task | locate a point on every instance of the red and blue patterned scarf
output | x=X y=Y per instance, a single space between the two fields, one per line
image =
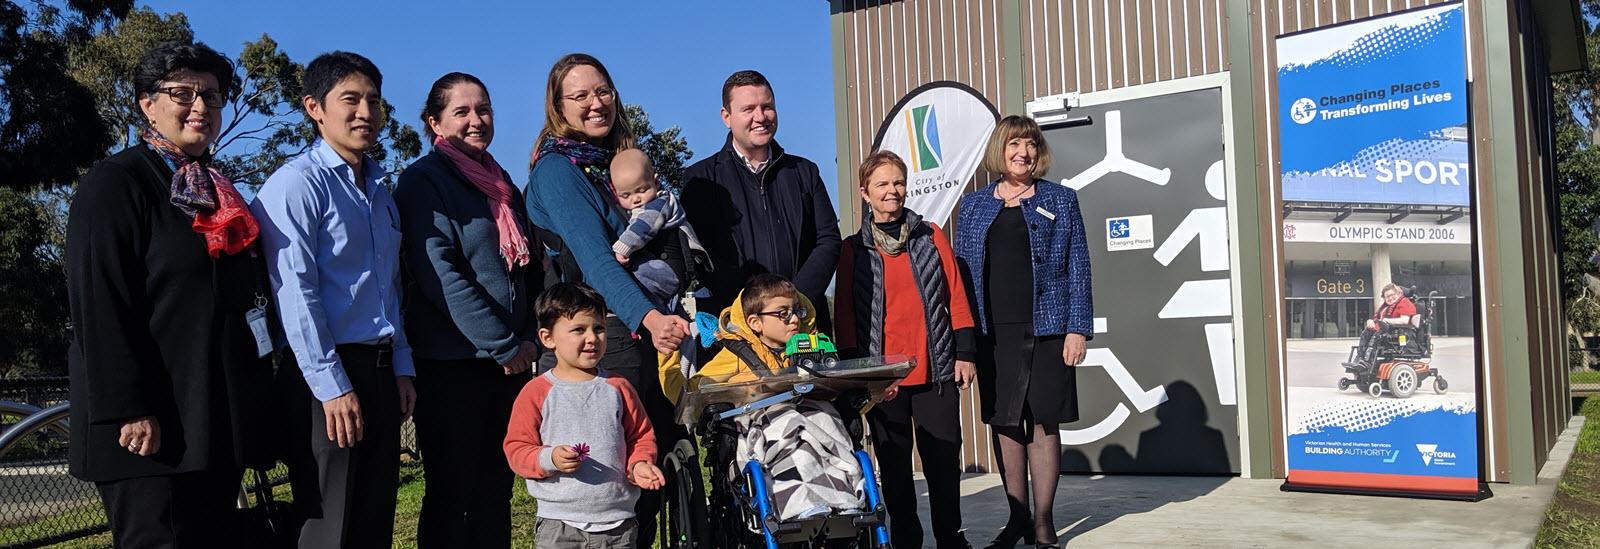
x=205 y=195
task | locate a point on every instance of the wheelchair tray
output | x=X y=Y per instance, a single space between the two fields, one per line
x=875 y=374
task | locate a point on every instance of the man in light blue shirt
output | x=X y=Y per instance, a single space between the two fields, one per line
x=331 y=233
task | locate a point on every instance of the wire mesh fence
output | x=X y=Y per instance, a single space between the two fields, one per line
x=40 y=503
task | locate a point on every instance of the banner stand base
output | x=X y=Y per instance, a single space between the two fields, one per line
x=1482 y=494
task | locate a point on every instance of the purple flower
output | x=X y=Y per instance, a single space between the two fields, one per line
x=582 y=449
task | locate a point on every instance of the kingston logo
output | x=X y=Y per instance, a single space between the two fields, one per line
x=922 y=129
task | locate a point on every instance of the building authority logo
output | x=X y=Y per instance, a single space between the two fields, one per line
x=1303 y=111
x=940 y=130
x=922 y=128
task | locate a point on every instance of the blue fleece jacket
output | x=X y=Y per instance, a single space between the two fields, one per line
x=561 y=200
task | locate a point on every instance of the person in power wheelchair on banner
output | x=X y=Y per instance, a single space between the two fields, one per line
x=1396 y=350
x=785 y=468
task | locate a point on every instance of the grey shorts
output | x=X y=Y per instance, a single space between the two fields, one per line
x=555 y=534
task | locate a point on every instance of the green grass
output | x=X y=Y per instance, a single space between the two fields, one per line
x=1573 y=519
x=408 y=506
x=90 y=513
x=1586 y=376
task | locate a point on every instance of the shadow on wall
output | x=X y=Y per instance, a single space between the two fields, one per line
x=1180 y=443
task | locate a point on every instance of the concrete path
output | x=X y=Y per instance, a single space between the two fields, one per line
x=1138 y=511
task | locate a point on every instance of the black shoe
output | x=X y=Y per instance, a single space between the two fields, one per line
x=1010 y=535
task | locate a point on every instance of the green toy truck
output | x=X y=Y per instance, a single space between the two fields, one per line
x=811 y=352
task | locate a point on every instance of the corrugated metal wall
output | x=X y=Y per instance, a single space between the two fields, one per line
x=1094 y=45
x=891 y=48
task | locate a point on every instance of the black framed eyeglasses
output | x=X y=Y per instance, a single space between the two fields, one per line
x=785 y=314
x=186 y=96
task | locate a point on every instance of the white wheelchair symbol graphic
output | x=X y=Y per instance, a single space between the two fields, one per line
x=1142 y=399
x=1207 y=298
x=1118 y=228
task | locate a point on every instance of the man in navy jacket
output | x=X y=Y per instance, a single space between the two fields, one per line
x=757 y=209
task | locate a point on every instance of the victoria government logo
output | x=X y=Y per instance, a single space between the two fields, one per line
x=1303 y=111
x=922 y=127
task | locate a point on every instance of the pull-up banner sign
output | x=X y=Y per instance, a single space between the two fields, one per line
x=1375 y=111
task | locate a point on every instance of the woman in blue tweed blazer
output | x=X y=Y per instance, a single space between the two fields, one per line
x=1020 y=240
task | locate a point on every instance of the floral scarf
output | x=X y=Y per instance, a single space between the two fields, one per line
x=205 y=195
x=594 y=161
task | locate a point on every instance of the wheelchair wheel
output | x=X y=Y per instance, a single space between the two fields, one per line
x=683 y=522
x=1402 y=380
x=1440 y=385
x=1375 y=389
x=1344 y=383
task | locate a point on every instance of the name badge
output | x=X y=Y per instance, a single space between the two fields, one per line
x=257 y=319
x=1045 y=213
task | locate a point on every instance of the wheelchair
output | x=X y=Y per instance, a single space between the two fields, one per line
x=741 y=509
x=1401 y=358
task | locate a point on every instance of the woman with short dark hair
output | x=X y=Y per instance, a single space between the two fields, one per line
x=167 y=296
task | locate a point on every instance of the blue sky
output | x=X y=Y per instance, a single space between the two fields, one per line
x=668 y=56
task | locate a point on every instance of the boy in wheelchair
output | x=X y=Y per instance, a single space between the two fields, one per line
x=1394 y=322
x=804 y=444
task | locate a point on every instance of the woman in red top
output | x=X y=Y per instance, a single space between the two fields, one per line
x=899 y=293
x=1397 y=310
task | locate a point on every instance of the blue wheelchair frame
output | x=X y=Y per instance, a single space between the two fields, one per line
x=761 y=498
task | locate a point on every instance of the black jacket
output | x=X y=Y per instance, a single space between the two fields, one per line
x=159 y=330
x=779 y=221
x=460 y=301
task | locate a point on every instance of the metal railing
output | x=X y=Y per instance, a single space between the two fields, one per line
x=40 y=503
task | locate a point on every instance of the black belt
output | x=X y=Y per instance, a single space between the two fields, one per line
x=361 y=354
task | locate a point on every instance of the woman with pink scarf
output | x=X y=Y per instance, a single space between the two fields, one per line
x=470 y=282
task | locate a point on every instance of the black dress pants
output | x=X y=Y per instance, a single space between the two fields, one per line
x=172 y=511
x=346 y=496
x=932 y=412
x=462 y=410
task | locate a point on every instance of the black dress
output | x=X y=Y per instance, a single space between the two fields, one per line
x=1021 y=378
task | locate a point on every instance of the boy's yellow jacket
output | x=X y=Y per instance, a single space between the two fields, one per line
x=726 y=366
